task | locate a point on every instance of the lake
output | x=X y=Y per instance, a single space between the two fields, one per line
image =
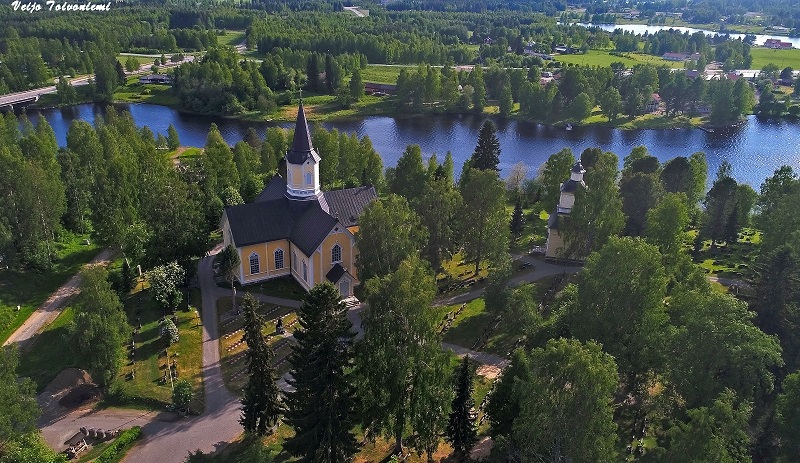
x=755 y=148
x=643 y=28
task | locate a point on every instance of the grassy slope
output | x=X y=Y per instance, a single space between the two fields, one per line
x=29 y=289
x=50 y=353
x=783 y=58
x=603 y=58
x=134 y=92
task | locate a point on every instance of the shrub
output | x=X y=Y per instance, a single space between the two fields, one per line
x=114 y=452
x=169 y=331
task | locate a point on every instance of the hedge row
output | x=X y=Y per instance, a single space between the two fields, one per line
x=114 y=452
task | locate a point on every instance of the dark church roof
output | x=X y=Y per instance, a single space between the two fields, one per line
x=336 y=273
x=347 y=205
x=301 y=148
x=552 y=221
x=578 y=167
x=570 y=186
x=305 y=222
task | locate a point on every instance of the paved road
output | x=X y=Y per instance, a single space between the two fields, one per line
x=355 y=10
x=52 y=307
x=20 y=97
x=219 y=424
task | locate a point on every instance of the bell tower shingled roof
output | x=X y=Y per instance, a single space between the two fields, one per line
x=301 y=148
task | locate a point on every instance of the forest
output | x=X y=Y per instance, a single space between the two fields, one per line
x=648 y=346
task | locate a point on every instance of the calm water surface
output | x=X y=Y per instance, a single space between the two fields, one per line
x=756 y=148
x=643 y=28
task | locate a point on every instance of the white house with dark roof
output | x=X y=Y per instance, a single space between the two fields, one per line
x=566 y=201
x=293 y=228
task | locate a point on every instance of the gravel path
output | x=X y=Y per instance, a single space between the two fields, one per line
x=49 y=311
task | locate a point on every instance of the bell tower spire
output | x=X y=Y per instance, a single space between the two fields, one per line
x=302 y=161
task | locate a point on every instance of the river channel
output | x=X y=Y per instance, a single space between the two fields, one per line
x=755 y=148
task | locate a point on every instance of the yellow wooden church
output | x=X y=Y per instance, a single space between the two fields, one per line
x=294 y=228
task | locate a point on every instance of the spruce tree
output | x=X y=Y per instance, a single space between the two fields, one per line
x=461 y=430
x=261 y=404
x=517 y=219
x=173 y=141
x=487 y=153
x=356 y=86
x=321 y=408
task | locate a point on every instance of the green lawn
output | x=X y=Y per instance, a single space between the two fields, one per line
x=29 y=288
x=140 y=59
x=324 y=107
x=147 y=386
x=602 y=58
x=534 y=233
x=783 y=58
x=469 y=324
x=134 y=92
x=383 y=74
x=733 y=260
x=286 y=288
x=50 y=352
x=231 y=38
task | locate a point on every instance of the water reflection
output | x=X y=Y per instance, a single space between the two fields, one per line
x=755 y=148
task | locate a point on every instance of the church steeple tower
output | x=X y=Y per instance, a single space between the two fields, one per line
x=302 y=161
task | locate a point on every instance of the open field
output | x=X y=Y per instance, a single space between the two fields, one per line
x=231 y=38
x=140 y=59
x=324 y=107
x=783 y=58
x=602 y=58
x=383 y=74
x=29 y=288
x=134 y=92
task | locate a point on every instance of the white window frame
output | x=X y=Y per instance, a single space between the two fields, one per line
x=255 y=263
x=334 y=260
x=278 y=252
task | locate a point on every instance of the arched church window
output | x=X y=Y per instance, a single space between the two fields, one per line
x=255 y=265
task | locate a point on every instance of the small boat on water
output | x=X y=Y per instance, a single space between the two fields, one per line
x=568 y=127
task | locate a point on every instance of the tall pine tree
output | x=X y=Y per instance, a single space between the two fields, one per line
x=321 y=408
x=487 y=152
x=517 y=219
x=461 y=430
x=261 y=405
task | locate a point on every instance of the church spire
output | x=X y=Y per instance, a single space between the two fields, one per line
x=302 y=161
x=302 y=136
